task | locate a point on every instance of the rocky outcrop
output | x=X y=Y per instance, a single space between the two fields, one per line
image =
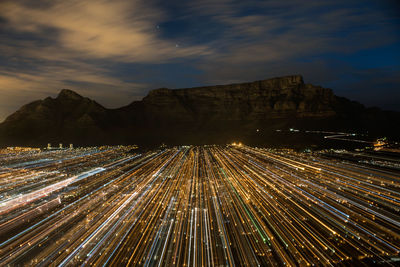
x=267 y=99
x=211 y=114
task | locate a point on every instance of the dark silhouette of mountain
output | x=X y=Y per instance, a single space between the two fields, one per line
x=250 y=112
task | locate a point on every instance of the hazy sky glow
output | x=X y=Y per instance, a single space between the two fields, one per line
x=116 y=51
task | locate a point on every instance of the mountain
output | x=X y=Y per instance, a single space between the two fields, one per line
x=68 y=116
x=251 y=112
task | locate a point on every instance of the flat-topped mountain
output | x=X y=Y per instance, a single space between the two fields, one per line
x=211 y=114
x=273 y=98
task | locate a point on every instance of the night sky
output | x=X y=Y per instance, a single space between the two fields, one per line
x=116 y=51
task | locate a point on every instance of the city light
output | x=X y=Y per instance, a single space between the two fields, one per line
x=195 y=206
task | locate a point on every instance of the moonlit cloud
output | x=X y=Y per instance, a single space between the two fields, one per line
x=120 y=30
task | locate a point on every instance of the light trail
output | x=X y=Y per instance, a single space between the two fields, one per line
x=196 y=206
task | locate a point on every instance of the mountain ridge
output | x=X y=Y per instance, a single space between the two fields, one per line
x=208 y=114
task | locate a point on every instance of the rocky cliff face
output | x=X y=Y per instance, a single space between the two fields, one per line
x=212 y=114
x=267 y=99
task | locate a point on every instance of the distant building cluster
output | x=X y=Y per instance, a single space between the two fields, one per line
x=20 y=149
x=60 y=146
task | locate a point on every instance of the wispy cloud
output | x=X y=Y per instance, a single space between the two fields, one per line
x=101 y=29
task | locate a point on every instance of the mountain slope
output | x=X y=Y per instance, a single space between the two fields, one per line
x=212 y=114
x=53 y=119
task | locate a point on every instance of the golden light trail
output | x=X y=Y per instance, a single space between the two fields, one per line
x=196 y=206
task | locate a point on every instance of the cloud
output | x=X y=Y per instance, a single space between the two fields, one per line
x=278 y=30
x=117 y=30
